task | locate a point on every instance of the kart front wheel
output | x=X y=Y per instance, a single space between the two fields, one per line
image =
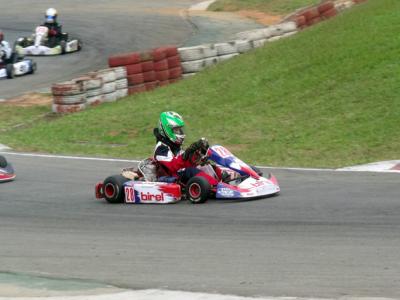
x=197 y=190
x=10 y=71
x=32 y=68
x=113 y=188
x=3 y=162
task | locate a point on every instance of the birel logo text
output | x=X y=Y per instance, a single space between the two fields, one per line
x=150 y=197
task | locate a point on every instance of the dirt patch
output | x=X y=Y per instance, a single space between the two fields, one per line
x=30 y=99
x=261 y=17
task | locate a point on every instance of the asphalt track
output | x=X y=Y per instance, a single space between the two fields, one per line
x=329 y=234
x=107 y=27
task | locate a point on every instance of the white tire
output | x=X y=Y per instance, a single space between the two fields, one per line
x=226 y=48
x=259 y=43
x=243 y=46
x=94 y=92
x=67 y=88
x=69 y=99
x=209 y=51
x=95 y=100
x=188 y=75
x=121 y=93
x=109 y=87
x=251 y=35
x=121 y=83
x=107 y=75
x=92 y=83
x=120 y=72
x=193 y=66
x=275 y=38
x=110 y=97
x=287 y=27
x=191 y=53
x=228 y=56
x=211 y=61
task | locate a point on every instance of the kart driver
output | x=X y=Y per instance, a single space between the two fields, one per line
x=55 y=29
x=178 y=164
x=5 y=49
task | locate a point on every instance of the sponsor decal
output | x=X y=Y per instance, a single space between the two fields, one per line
x=225 y=192
x=152 y=197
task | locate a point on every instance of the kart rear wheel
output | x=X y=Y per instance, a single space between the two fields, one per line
x=63 y=45
x=10 y=71
x=33 y=67
x=113 y=188
x=197 y=190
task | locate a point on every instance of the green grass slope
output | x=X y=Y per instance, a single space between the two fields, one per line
x=326 y=97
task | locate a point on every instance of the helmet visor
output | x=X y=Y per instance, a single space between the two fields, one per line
x=178 y=130
x=50 y=19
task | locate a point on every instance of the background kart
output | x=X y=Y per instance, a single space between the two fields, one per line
x=6 y=170
x=17 y=66
x=245 y=182
x=40 y=44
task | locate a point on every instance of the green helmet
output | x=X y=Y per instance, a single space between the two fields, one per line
x=171 y=126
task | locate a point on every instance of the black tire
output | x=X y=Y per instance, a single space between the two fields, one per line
x=63 y=45
x=3 y=162
x=257 y=170
x=33 y=68
x=197 y=190
x=10 y=71
x=79 y=45
x=113 y=188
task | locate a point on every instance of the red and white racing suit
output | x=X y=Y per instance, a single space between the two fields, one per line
x=170 y=157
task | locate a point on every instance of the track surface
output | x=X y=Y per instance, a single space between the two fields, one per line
x=105 y=27
x=328 y=234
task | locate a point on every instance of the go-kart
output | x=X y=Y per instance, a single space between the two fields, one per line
x=244 y=182
x=6 y=170
x=17 y=65
x=41 y=44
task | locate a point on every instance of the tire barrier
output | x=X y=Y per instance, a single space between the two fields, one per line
x=94 y=88
x=137 y=72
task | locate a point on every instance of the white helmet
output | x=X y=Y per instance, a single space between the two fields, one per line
x=51 y=15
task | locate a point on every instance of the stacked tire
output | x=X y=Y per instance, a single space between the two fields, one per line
x=121 y=82
x=315 y=14
x=68 y=97
x=132 y=62
x=167 y=64
x=93 y=88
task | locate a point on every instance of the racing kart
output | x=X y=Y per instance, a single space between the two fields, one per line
x=41 y=44
x=6 y=170
x=147 y=186
x=17 y=65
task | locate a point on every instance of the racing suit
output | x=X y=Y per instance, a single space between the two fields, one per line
x=5 y=52
x=55 y=33
x=172 y=160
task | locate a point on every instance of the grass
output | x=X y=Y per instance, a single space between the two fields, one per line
x=277 y=7
x=326 y=97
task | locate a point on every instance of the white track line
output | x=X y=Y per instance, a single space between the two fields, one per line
x=176 y=295
x=349 y=169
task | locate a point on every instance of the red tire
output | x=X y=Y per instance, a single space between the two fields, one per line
x=134 y=69
x=174 y=61
x=136 y=89
x=330 y=13
x=300 y=21
x=135 y=79
x=67 y=88
x=163 y=83
x=310 y=14
x=175 y=73
x=65 y=109
x=314 y=21
x=149 y=76
x=158 y=54
x=146 y=56
x=325 y=7
x=147 y=66
x=175 y=80
x=169 y=50
x=124 y=59
x=161 y=65
x=162 y=75
x=151 y=85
